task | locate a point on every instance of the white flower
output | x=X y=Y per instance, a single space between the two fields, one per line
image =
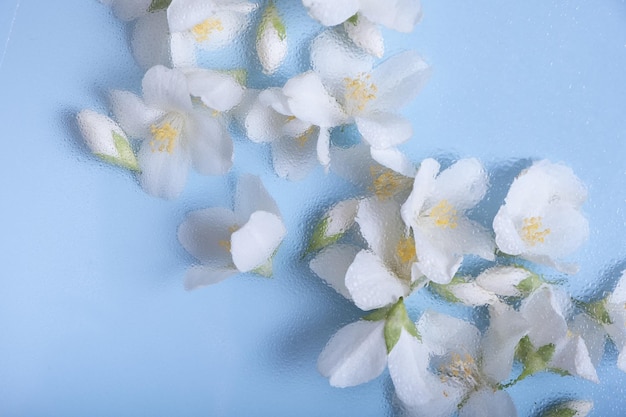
x=208 y=24
x=227 y=242
x=447 y=372
x=106 y=139
x=296 y=119
x=387 y=270
x=366 y=35
x=271 y=40
x=370 y=97
x=435 y=212
x=541 y=219
x=400 y=15
x=150 y=34
x=176 y=135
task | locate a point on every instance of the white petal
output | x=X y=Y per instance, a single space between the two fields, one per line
x=132 y=113
x=371 y=284
x=573 y=357
x=423 y=187
x=166 y=89
x=129 y=9
x=335 y=59
x=462 y=185
x=252 y=196
x=384 y=130
x=473 y=295
x=592 y=333
x=331 y=265
x=399 y=79
x=544 y=313
x=257 y=240
x=202 y=275
x=97 y=131
x=293 y=159
x=395 y=160
x=618 y=296
x=355 y=354
x=442 y=334
x=408 y=368
x=380 y=226
x=206 y=235
x=331 y=12
x=217 y=90
x=323 y=148
x=262 y=122
x=503 y=280
x=309 y=101
x=150 y=40
x=488 y=402
x=182 y=49
x=366 y=35
x=233 y=23
x=184 y=14
x=341 y=216
x=436 y=263
x=210 y=144
x=400 y=15
x=163 y=174
x=271 y=46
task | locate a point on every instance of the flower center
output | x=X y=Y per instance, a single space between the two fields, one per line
x=164 y=136
x=385 y=183
x=202 y=31
x=460 y=369
x=226 y=243
x=533 y=231
x=360 y=91
x=444 y=215
x=304 y=137
x=405 y=250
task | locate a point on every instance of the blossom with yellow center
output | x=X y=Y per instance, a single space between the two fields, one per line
x=405 y=250
x=444 y=215
x=532 y=232
x=163 y=137
x=360 y=90
x=202 y=31
x=385 y=182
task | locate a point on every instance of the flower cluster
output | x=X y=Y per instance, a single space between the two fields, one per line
x=414 y=230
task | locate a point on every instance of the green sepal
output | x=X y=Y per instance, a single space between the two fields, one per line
x=239 y=74
x=443 y=290
x=354 y=19
x=157 y=5
x=319 y=239
x=534 y=361
x=378 y=314
x=530 y=284
x=398 y=319
x=266 y=270
x=598 y=311
x=272 y=17
x=126 y=157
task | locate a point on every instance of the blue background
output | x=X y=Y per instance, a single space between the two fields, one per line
x=94 y=320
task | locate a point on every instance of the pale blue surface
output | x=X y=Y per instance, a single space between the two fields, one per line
x=94 y=320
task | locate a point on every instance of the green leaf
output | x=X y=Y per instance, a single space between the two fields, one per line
x=319 y=239
x=272 y=17
x=598 y=311
x=157 y=5
x=354 y=19
x=530 y=284
x=398 y=319
x=127 y=156
x=379 y=314
x=443 y=290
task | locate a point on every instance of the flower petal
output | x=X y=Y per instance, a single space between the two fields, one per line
x=331 y=12
x=210 y=144
x=184 y=14
x=309 y=101
x=462 y=185
x=395 y=160
x=371 y=284
x=252 y=196
x=206 y=235
x=217 y=90
x=163 y=174
x=355 y=354
x=366 y=35
x=488 y=402
x=202 y=275
x=166 y=89
x=400 y=15
x=150 y=40
x=331 y=265
x=293 y=159
x=257 y=240
x=573 y=357
x=384 y=130
x=133 y=114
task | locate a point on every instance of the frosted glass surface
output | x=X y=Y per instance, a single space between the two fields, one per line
x=93 y=314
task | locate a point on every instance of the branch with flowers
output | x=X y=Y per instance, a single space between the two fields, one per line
x=413 y=231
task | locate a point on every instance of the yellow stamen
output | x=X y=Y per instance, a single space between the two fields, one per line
x=385 y=183
x=532 y=232
x=405 y=250
x=444 y=215
x=304 y=138
x=163 y=137
x=225 y=244
x=360 y=90
x=203 y=30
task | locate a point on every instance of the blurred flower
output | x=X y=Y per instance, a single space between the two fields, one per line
x=435 y=213
x=227 y=242
x=176 y=134
x=106 y=139
x=271 y=40
x=541 y=219
x=208 y=24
